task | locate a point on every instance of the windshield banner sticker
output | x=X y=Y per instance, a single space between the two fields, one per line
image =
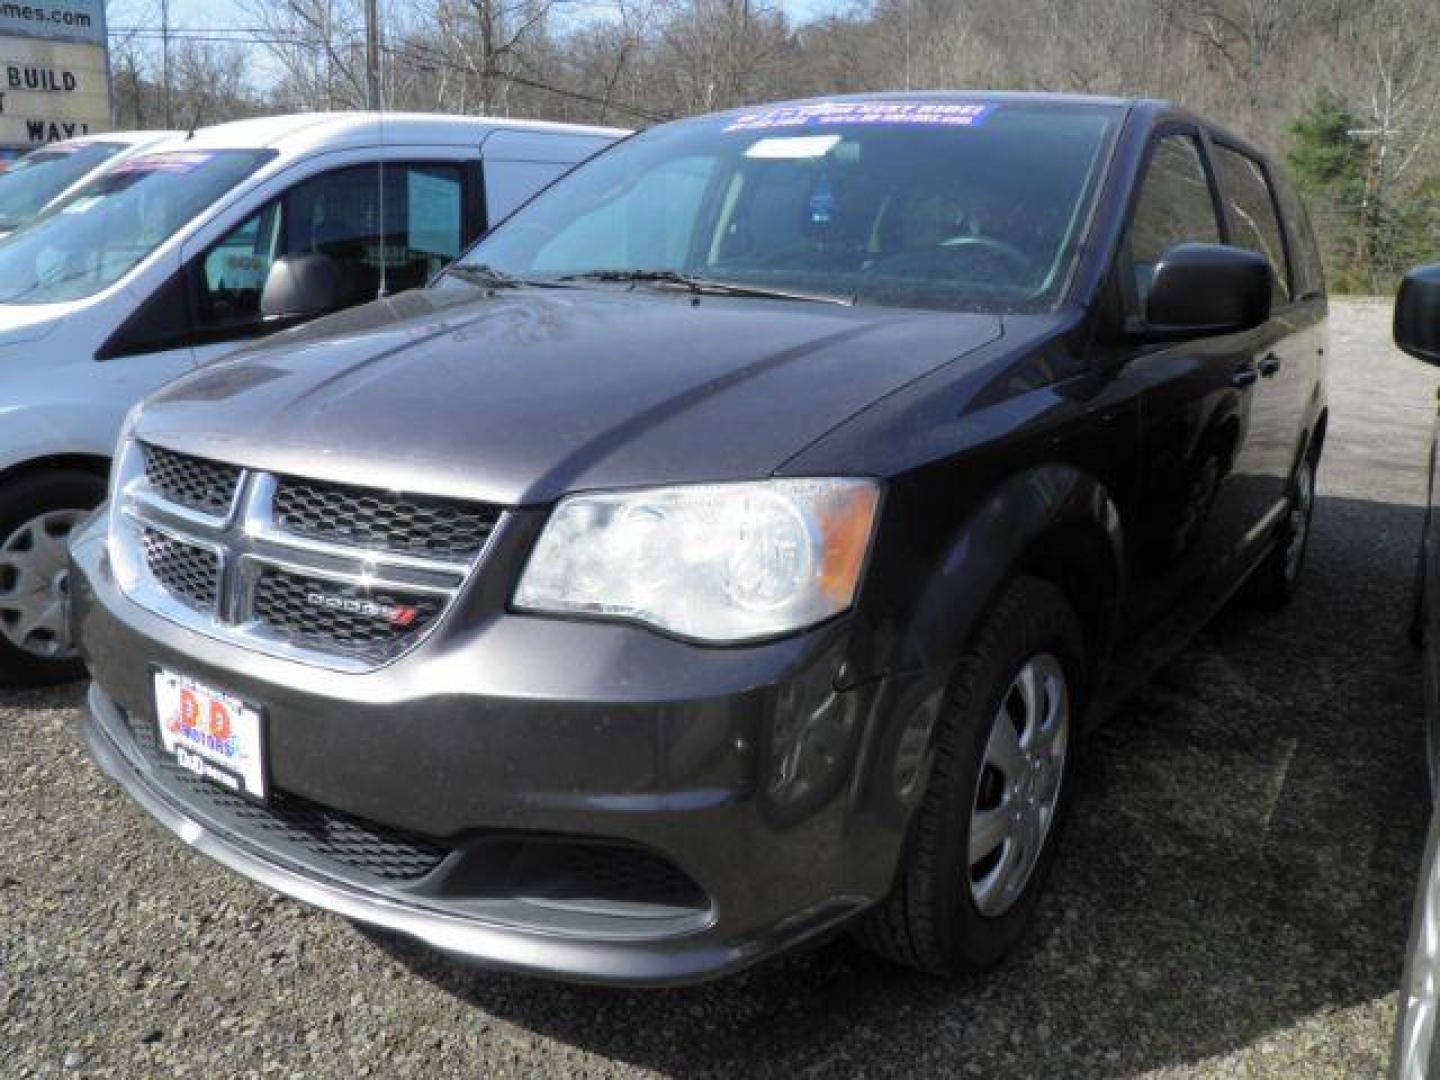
x=178 y=161
x=923 y=113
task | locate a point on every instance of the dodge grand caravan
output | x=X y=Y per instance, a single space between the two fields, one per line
x=166 y=260
x=732 y=546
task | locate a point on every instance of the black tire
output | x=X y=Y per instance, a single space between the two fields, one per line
x=1415 y=629
x=21 y=502
x=1274 y=583
x=931 y=920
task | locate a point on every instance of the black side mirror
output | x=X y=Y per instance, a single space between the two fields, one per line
x=1417 y=314
x=301 y=287
x=1200 y=289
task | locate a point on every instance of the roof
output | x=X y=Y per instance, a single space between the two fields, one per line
x=303 y=131
x=129 y=138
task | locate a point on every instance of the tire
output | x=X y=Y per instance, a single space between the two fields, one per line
x=941 y=917
x=1275 y=581
x=37 y=515
x=1415 y=629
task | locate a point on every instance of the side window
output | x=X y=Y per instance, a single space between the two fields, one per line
x=1250 y=207
x=1175 y=207
x=234 y=270
x=338 y=214
x=1304 y=251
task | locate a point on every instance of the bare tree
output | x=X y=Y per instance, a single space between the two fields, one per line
x=319 y=46
x=210 y=83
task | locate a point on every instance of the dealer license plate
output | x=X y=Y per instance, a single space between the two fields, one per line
x=212 y=733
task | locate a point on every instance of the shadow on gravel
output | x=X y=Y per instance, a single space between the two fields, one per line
x=1242 y=856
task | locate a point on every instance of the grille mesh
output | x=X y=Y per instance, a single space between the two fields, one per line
x=407 y=524
x=374 y=849
x=285 y=606
x=354 y=842
x=207 y=486
x=612 y=873
x=186 y=571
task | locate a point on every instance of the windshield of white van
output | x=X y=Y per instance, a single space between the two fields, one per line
x=42 y=174
x=944 y=203
x=94 y=236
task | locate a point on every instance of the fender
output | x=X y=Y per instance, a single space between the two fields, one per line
x=1056 y=521
x=29 y=432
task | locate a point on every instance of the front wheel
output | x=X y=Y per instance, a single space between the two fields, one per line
x=38 y=514
x=986 y=832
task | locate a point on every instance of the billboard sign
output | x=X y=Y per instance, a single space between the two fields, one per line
x=54 y=70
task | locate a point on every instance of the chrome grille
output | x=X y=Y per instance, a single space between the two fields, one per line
x=316 y=614
x=349 y=592
x=194 y=483
x=190 y=572
x=443 y=528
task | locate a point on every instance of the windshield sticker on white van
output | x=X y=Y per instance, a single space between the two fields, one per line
x=80 y=205
x=434 y=218
x=177 y=161
x=922 y=113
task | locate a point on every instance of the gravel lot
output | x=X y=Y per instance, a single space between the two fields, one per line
x=1232 y=898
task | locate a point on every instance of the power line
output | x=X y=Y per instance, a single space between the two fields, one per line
x=414 y=51
x=178 y=30
x=425 y=55
x=165 y=55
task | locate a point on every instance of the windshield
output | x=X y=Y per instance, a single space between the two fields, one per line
x=94 y=236
x=40 y=175
x=931 y=204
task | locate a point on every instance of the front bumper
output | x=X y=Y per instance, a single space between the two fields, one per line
x=530 y=735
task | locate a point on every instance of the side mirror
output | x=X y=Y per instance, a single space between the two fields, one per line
x=1200 y=289
x=1417 y=314
x=301 y=287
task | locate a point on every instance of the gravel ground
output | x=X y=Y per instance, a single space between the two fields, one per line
x=1232 y=898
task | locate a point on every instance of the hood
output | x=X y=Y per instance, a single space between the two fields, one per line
x=518 y=396
x=20 y=323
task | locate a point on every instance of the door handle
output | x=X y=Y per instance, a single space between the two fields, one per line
x=1270 y=365
x=1247 y=374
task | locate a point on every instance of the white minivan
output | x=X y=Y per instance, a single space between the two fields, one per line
x=48 y=172
x=162 y=261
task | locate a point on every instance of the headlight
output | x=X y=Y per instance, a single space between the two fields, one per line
x=716 y=562
x=127 y=467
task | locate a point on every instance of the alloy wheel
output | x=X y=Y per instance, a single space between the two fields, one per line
x=1018 y=789
x=34 y=581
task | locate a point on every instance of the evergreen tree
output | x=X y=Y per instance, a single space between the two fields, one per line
x=1328 y=161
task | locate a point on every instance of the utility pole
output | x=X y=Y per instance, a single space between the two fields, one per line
x=372 y=55
x=907 y=44
x=165 y=58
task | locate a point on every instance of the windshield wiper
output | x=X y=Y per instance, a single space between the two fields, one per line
x=486 y=276
x=705 y=285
